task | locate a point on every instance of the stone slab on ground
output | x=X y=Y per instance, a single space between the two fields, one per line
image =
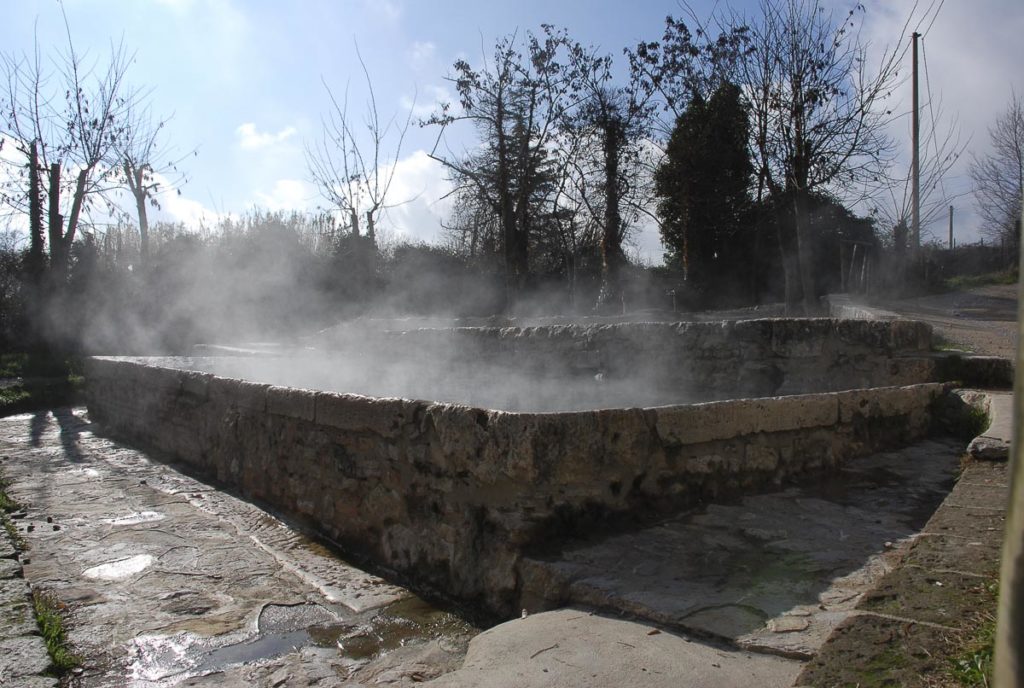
x=568 y=648
x=774 y=572
x=22 y=659
x=172 y=582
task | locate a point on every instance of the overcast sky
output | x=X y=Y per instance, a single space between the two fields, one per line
x=242 y=78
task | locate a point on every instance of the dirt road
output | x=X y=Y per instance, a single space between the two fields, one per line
x=982 y=320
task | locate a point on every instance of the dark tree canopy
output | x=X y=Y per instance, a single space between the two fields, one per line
x=703 y=191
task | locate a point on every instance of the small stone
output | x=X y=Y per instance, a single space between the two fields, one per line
x=56 y=527
x=49 y=519
x=142 y=482
x=789 y=624
x=30 y=528
x=26 y=560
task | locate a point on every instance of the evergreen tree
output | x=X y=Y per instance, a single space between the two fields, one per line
x=703 y=186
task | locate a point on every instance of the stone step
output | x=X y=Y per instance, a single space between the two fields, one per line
x=773 y=572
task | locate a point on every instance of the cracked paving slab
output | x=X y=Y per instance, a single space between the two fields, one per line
x=172 y=582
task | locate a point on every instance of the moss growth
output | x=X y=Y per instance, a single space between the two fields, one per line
x=975 y=422
x=50 y=616
x=7 y=505
x=972 y=666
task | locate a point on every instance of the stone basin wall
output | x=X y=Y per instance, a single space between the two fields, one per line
x=694 y=361
x=450 y=497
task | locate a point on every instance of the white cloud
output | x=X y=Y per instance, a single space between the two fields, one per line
x=191 y=213
x=418 y=188
x=287 y=194
x=249 y=138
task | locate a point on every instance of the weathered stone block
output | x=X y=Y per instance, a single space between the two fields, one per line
x=355 y=413
x=787 y=413
x=195 y=384
x=886 y=401
x=291 y=403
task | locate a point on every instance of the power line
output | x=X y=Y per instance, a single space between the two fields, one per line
x=931 y=110
x=934 y=17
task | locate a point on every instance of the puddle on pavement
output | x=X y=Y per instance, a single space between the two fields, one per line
x=122 y=568
x=282 y=629
x=135 y=518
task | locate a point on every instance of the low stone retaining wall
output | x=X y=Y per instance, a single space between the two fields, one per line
x=704 y=360
x=451 y=496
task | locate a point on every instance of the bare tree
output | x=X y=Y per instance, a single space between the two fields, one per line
x=353 y=177
x=65 y=122
x=999 y=176
x=818 y=119
x=139 y=157
x=516 y=105
x=687 y=63
x=943 y=148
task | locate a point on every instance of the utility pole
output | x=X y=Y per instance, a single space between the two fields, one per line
x=916 y=165
x=950 y=227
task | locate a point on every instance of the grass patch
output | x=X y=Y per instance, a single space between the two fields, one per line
x=50 y=614
x=975 y=422
x=940 y=343
x=972 y=666
x=37 y=381
x=8 y=505
x=968 y=281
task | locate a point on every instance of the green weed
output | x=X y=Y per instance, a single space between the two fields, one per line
x=50 y=616
x=973 y=665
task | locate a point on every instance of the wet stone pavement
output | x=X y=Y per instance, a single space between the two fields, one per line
x=172 y=582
